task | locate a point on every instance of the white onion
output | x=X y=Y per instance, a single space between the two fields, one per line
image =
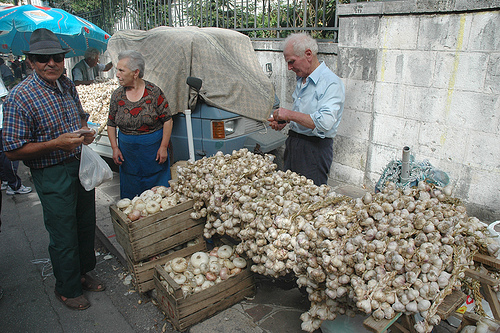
x=179 y=265
x=199 y=258
x=225 y=251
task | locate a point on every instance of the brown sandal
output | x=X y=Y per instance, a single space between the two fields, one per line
x=91 y=284
x=76 y=303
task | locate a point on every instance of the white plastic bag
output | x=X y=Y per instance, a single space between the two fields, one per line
x=93 y=169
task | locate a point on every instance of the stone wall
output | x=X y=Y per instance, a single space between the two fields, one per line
x=423 y=74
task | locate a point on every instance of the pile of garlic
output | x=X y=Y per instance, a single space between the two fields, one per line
x=204 y=270
x=149 y=202
x=95 y=99
x=394 y=251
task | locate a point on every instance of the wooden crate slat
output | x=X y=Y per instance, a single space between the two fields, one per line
x=168 y=243
x=145 y=221
x=487 y=260
x=122 y=238
x=185 y=322
x=197 y=303
x=173 y=223
x=144 y=270
x=481 y=277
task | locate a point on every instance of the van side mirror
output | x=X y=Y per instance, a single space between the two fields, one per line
x=194 y=83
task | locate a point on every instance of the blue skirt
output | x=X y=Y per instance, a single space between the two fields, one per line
x=140 y=171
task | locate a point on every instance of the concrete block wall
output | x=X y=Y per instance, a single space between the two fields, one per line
x=428 y=78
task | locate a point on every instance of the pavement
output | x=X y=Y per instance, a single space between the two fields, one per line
x=29 y=305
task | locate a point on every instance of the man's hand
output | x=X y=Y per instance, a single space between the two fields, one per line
x=276 y=120
x=68 y=141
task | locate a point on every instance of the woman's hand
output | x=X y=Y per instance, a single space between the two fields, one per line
x=117 y=156
x=162 y=154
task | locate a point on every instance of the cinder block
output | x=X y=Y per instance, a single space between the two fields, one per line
x=399 y=32
x=442 y=142
x=345 y=174
x=418 y=69
x=359 y=32
x=357 y=63
x=461 y=70
x=359 y=95
x=444 y=32
x=492 y=80
x=390 y=66
x=389 y=99
x=425 y=104
x=484 y=151
x=474 y=111
x=355 y=125
x=485 y=27
x=350 y=152
x=394 y=131
x=484 y=189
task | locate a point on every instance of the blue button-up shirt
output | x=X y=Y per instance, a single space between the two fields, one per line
x=322 y=96
x=35 y=111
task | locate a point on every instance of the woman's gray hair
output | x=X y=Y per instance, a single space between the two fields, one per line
x=301 y=42
x=135 y=61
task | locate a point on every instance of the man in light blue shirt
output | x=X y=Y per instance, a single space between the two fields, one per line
x=318 y=103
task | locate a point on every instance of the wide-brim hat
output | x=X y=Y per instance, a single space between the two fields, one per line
x=44 y=41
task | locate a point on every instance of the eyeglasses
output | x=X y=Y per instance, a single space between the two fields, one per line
x=44 y=58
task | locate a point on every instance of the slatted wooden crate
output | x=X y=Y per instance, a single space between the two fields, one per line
x=185 y=312
x=154 y=234
x=143 y=272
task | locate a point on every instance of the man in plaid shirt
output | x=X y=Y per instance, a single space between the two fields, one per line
x=42 y=115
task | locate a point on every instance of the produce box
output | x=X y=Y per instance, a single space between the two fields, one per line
x=143 y=272
x=154 y=234
x=187 y=311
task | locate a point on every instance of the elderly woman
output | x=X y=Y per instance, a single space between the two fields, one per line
x=140 y=110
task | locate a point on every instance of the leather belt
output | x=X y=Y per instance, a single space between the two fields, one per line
x=305 y=137
x=71 y=159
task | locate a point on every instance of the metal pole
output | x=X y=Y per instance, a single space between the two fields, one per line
x=405 y=167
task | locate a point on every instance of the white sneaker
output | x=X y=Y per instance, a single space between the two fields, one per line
x=22 y=190
x=4 y=185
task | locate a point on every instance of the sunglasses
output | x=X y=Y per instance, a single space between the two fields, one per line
x=44 y=58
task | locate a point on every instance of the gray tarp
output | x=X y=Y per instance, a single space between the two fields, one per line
x=233 y=79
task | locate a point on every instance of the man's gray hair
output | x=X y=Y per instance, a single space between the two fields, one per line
x=91 y=53
x=300 y=43
x=135 y=60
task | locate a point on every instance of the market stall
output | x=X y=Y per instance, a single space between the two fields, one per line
x=398 y=251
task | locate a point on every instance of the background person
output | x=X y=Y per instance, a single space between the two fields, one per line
x=6 y=72
x=318 y=103
x=8 y=169
x=40 y=116
x=140 y=110
x=88 y=69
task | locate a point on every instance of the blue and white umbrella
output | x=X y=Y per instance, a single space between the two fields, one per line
x=18 y=22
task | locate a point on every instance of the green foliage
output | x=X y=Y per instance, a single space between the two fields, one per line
x=258 y=19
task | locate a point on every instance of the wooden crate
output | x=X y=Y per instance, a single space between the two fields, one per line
x=143 y=272
x=185 y=312
x=154 y=234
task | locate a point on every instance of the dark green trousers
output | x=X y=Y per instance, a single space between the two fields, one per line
x=69 y=216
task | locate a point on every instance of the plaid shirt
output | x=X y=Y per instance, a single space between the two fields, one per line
x=35 y=111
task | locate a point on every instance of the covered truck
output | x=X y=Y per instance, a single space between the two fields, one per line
x=235 y=99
